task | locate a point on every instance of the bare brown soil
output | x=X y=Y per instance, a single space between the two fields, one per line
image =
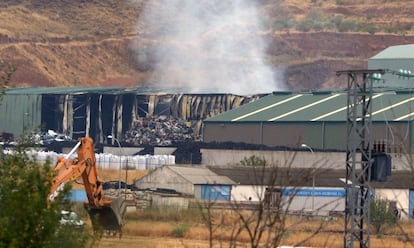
x=90 y=43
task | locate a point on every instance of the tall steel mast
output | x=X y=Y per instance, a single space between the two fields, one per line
x=358 y=157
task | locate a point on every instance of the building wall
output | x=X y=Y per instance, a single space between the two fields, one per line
x=298 y=159
x=212 y=192
x=324 y=201
x=247 y=193
x=318 y=135
x=401 y=196
x=98 y=113
x=19 y=113
x=392 y=64
x=247 y=133
x=160 y=201
x=165 y=178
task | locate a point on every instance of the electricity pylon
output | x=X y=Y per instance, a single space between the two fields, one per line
x=358 y=157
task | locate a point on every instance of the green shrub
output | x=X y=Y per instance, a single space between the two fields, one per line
x=27 y=217
x=253 y=161
x=390 y=29
x=381 y=215
x=347 y=26
x=283 y=24
x=179 y=231
x=370 y=28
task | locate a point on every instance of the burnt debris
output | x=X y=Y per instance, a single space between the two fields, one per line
x=159 y=131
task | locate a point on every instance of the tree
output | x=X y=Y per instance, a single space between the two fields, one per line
x=27 y=218
x=381 y=215
x=263 y=222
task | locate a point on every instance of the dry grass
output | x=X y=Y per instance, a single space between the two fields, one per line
x=154 y=228
x=299 y=231
x=159 y=234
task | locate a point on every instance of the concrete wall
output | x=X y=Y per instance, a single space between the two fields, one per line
x=321 y=205
x=160 y=201
x=295 y=203
x=298 y=159
x=123 y=151
x=247 y=193
x=401 y=196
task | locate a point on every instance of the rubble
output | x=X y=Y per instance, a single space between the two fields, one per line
x=159 y=131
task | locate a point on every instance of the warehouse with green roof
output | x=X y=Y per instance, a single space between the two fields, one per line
x=319 y=118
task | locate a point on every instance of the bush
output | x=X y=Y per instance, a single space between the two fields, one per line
x=179 y=231
x=27 y=218
x=370 y=28
x=253 y=161
x=381 y=215
x=347 y=25
x=283 y=24
x=390 y=29
x=313 y=21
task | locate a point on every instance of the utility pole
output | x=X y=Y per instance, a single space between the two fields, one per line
x=358 y=157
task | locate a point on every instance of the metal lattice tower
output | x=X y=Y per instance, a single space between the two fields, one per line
x=358 y=157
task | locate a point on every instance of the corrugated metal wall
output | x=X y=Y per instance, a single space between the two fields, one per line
x=397 y=136
x=19 y=113
x=392 y=64
x=215 y=192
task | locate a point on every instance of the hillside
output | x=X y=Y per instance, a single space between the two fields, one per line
x=133 y=43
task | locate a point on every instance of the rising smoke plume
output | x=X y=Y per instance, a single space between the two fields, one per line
x=214 y=46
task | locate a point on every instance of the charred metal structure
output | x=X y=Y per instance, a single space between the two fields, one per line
x=98 y=112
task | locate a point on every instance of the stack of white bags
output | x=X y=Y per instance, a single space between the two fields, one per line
x=110 y=161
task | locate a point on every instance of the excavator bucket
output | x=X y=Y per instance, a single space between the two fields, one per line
x=108 y=218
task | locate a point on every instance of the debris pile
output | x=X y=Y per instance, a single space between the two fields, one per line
x=6 y=137
x=47 y=138
x=159 y=131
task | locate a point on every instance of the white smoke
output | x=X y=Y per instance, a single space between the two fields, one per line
x=216 y=46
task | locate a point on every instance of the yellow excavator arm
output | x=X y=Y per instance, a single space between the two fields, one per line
x=108 y=211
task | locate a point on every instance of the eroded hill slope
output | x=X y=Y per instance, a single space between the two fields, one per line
x=97 y=43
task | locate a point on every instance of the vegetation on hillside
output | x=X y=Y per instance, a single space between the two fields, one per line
x=97 y=43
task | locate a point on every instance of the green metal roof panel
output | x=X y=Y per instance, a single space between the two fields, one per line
x=393 y=107
x=396 y=52
x=103 y=90
x=59 y=90
x=249 y=109
x=305 y=107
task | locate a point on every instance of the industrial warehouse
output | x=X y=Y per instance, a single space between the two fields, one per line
x=310 y=128
x=249 y=123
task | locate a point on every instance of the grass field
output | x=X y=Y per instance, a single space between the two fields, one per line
x=154 y=230
x=172 y=227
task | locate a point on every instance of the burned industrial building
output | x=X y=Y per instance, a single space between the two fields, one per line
x=124 y=113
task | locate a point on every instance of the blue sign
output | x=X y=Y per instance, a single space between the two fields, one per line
x=78 y=195
x=315 y=193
